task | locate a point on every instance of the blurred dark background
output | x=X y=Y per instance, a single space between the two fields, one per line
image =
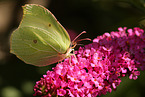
x=94 y=16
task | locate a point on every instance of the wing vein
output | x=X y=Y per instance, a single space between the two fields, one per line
x=48 y=34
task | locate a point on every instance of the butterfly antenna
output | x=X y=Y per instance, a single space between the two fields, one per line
x=74 y=42
x=83 y=39
x=78 y=36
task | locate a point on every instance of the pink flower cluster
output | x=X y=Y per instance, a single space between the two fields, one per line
x=98 y=67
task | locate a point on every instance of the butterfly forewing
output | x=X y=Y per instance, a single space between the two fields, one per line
x=38 y=16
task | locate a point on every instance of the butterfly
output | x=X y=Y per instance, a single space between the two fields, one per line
x=40 y=39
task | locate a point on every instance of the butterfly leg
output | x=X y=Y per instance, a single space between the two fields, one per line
x=73 y=54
